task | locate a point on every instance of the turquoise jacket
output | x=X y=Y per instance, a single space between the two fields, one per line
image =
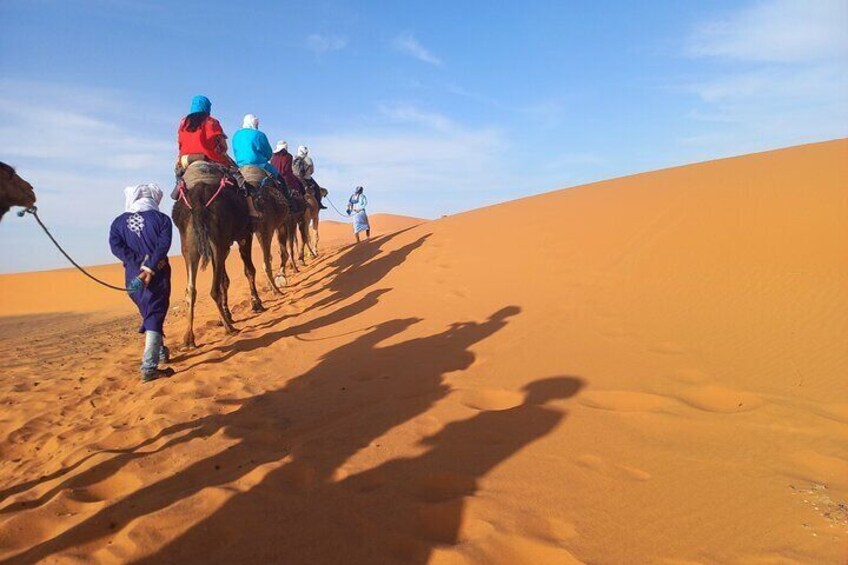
x=251 y=147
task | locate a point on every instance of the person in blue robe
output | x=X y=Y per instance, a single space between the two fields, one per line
x=356 y=206
x=141 y=239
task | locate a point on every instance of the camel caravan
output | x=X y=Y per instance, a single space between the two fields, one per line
x=218 y=201
x=221 y=201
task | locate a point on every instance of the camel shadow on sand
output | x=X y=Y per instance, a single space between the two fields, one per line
x=300 y=436
x=350 y=273
x=347 y=258
x=306 y=508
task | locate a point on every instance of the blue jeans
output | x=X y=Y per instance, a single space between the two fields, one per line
x=155 y=352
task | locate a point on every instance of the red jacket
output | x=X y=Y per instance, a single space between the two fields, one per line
x=203 y=140
x=282 y=160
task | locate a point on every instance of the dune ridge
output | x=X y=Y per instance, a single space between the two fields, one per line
x=648 y=369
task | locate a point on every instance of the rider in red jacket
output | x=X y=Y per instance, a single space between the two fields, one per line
x=201 y=134
x=201 y=138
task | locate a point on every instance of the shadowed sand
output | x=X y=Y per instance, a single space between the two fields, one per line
x=652 y=370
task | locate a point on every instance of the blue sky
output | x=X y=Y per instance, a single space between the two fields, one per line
x=435 y=107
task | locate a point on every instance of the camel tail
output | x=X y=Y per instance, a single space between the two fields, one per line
x=200 y=225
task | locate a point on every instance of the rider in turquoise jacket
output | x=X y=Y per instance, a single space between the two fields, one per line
x=251 y=146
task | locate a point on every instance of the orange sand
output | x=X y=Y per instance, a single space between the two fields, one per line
x=66 y=290
x=644 y=370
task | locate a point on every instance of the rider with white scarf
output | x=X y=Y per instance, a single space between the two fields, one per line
x=304 y=168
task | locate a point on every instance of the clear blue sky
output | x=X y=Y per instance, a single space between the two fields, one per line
x=435 y=107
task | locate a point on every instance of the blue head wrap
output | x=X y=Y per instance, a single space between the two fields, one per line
x=200 y=104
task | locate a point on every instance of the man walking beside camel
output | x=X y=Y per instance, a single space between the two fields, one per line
x=141 y=239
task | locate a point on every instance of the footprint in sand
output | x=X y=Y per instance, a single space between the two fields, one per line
x=427 y=425
x=113 y=487
x=612 y=470
x=491 y=399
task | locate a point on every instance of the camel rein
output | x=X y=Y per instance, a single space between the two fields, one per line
x=34 y=211
x=345 y=216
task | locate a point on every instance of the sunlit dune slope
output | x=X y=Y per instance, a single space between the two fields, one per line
x=649 y=369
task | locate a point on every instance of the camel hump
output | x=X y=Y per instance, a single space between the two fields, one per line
x=203 y=172
x=254 y=174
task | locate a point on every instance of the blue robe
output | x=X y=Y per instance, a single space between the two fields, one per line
x=144 y=239
x=357 y=204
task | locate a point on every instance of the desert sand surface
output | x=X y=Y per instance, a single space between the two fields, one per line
x=66 y=290
x=650 y=369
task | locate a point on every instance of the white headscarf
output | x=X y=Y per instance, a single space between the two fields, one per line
x=281 y=145
x=250 y=122
x=302 y=151
x=142 y=197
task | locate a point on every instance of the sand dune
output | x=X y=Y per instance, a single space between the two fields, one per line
x=64 y=290
x=645 y=370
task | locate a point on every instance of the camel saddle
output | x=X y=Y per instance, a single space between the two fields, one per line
x=204 y=172
x=257 y=177
x=254 y=175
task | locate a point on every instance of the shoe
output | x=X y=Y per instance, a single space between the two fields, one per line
x=148 y=376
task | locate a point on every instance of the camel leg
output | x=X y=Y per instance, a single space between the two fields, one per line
x=225 y=292
x=311 y=222
x=219 y=258
x=265 y=235
x=303 y=226
x=282 y=240
x=292 y=241
x=191 y=260
x=314 y=247
x=250 y=271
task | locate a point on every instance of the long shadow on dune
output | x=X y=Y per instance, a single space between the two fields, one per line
x=90 y=476
x=301 y=435
x=245 y=345
x=350 y=273
x=96 y=473
x=358 y=269
x=348 y=282
x=397 y=512
x=348 y=257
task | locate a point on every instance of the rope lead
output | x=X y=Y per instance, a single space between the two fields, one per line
x=345 y=216
x=34 y=212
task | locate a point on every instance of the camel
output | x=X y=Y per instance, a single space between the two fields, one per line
x=14 y=191
x=208 y=226
x=309 y=237
x=287 y=235
x=299 y=222
x=275 y=219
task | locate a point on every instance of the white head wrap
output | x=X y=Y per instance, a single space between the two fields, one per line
x=142 y=197
x=280 y=146
x=250 y=122
x=302 y=151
